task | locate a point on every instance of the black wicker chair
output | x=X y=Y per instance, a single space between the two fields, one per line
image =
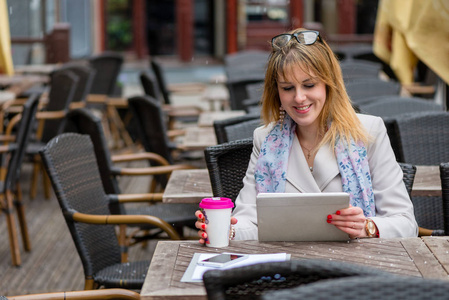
x=107 y=68
x=391 y=107
x=177 y=214
x=11 y=195
x=227 y=164
x=252 y=282
x=359 y=89
x=51 y=122
x=424 y=140
x=183 y=113
x=355 y=69
x=236 y=128
x=444 y=175
x=72 y=167
x=116 y=294
x=367 y=287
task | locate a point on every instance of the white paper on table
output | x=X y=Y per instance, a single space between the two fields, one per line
x=194 y=272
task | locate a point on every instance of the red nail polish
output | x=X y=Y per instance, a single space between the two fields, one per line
x=329 y=221
x=329 y=217
x=203 y=234
x=338 y=212
x=200 y=216
x=203 y=226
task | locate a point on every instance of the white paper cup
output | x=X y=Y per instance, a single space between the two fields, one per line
x=217 y=216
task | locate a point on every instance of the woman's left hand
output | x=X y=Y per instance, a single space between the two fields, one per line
x=350 y=220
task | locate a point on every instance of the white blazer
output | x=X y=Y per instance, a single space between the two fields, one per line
x=394 y=210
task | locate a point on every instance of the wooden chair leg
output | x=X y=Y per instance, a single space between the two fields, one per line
x=22 y=219
x=89 y=284
x=122 y=240
x=12 y=232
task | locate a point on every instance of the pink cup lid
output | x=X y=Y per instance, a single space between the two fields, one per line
x=216 y=203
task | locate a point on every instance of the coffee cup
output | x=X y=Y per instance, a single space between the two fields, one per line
x=217 y=216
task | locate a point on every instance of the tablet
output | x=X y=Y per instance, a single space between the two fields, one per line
x=297 y=217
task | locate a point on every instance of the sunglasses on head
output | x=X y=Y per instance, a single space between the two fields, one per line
x=307 y=37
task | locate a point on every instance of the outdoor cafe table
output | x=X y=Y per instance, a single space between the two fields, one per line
x=198 y=138
x=207 y=118
x=426 y=257
x=190 y=186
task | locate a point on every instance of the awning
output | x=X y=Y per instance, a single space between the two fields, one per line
x=408 y=30
x=6 y=65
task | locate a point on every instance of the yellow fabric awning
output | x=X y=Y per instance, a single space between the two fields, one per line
x=408 y=30
x=6 y=65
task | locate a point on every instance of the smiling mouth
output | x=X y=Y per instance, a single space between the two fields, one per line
x=303 y=107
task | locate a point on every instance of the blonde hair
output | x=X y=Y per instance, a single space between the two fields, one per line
x=317 y=61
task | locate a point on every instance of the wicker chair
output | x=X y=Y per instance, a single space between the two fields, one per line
x=424 y=140
x=183 y=113
x=237 y=84
x=444 y=175
x=107 y=68
x=391 y=107
x=51 y=122
x=177 y=214
x=11 y=195
x=116 y=294
x=367 y=287
x=359 y=89
x=236 y=128
x=252 y=282
x=72 y=167
x=227 y=164
x=255 y=90
x=355 y=69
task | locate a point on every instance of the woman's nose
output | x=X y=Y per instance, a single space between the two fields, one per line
x=300 y=95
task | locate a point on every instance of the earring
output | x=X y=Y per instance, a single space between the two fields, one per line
x=281 y=115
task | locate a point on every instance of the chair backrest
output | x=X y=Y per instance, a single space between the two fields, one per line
x=237 y=88
x=151 y=128
x=444 y=175
x=391 y=106
x=70 y=162
x=83 y=121
x=227 y=164
x=236 y=128
x=372 y=287
x=85 y=79
x=358 y=89
x=247 y=57
x=250 y=282
x=23 y=134
x=160 y=79
x=354 y=69
x=62 y=89
x=255 y=90
x=409 y=171
x=424 y=137
x=107 y=67
x=150 y=85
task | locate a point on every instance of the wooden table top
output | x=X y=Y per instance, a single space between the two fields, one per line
x=426 y=257
x=427 y=181
x=187 y=186
x=184 y=187
x=198 y=138
x=41 y=69
x=207 y=118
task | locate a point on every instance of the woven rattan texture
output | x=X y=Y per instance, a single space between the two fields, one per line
x=227 y=164
x=227 y=130
x=251 y=282
x=359 y=89
x=107 y=67
x=444 y=174
x=369 y=287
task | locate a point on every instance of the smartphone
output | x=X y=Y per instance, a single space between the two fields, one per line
x=222 y=260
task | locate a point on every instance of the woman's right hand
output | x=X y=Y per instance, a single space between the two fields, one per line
x=201 y=225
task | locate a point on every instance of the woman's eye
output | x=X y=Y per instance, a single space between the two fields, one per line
x=309 y=86
x=287 y=88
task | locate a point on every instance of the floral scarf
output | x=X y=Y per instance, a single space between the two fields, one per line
x=271 y=168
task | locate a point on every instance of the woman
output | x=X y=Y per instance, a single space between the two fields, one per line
x=313 y=141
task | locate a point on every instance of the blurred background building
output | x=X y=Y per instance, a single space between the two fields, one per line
x=58 y=30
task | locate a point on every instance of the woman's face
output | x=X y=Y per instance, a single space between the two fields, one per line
x=302 y=97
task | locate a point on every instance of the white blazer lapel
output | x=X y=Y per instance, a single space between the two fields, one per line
x=298 y=174
x=325 y=166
